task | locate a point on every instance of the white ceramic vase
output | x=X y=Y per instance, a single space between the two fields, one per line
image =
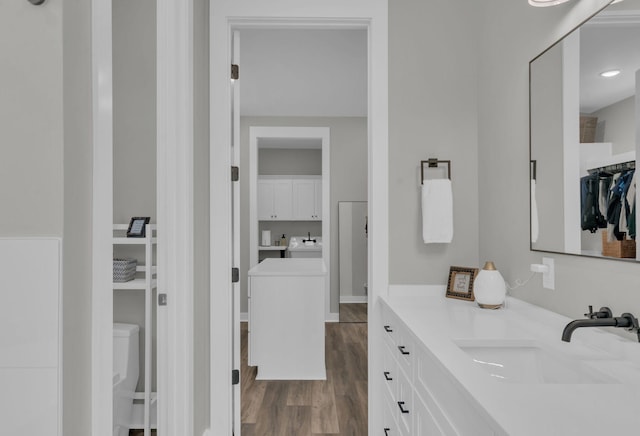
x=489 y=287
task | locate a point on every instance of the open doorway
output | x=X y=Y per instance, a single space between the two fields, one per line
x=301 y=90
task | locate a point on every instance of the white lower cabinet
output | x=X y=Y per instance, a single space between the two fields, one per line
x=424 y=423
x=420 y=398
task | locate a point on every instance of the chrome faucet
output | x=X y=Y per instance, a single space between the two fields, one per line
x=602 y=318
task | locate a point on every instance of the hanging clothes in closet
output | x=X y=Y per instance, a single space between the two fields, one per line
x=619 y=206
x=592 y=217
x=608 y=201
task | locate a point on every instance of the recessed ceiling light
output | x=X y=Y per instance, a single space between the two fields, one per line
x=543 y=3
x=610 y=73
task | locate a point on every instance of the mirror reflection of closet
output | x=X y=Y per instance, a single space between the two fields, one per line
x=352 y=235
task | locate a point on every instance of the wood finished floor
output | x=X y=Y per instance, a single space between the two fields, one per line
x=337 y=406
x=353 y=312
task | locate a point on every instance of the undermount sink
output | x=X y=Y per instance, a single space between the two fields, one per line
x=529 y=361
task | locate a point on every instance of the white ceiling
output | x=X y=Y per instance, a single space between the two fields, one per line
x=303 y=72
x=609 y=41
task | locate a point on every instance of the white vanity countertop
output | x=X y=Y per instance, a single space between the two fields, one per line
x=527 y=408
x=289 y=267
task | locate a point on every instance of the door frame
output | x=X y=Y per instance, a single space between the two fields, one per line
x=225 y=15
x=175 y=211
x=322 y=133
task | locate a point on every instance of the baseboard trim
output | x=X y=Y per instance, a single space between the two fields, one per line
x=348 y=299
x=333 y=317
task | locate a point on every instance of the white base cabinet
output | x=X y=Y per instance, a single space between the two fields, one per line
x=286 y=319
x=419 y=398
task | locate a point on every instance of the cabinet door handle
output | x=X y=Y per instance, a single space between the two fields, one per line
x=386 y=431
x=402 y=350
x=386 y=376
x=401 y=406
x=388 y=329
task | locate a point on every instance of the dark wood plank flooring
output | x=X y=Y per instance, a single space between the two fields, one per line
x=353 y=312
x=337 y=406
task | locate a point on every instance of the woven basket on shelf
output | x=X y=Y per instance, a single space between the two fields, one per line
x=124 y=270
x=622 y=249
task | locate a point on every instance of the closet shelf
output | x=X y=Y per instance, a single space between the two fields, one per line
x=143 y=268
x=135 y=284
x=140 y=396
x=118 y=240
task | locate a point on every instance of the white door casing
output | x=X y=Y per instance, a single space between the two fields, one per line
x=102 y=220
x=235 y=157
x=224 y=16
x=175 y=216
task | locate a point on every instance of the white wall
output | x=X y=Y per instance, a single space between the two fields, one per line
x=348 y=179
x=134 y=109
x=513 y=34
x=45 y=126
x=433 y=58
x=619 y=125
x=31 y=121
x=281 y=161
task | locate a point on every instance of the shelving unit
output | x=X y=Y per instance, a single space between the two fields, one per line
x=144 y=414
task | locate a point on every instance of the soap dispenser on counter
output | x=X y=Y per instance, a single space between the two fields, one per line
x=283 y=241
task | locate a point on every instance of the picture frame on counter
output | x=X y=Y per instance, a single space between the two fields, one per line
x=460 y=283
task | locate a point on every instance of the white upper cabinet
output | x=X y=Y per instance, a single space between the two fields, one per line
x=274 y=199
x=307 y=199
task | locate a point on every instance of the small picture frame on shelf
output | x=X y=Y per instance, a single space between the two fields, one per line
x=460 y=284
x=137 y=227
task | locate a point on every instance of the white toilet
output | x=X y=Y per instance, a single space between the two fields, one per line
x=125 y=375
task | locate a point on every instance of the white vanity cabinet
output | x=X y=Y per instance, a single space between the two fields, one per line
x=419 y=397
x=275 y=199
x=307 y=199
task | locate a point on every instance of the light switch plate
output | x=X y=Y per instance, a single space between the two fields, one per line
x=549 y=278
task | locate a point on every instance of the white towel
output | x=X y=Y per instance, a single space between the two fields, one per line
x=534 y=213
x=437 y=211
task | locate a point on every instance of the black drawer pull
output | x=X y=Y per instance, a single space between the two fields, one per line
x=386 y=376
x=386 y=431
x=402 y=350
x=388 y=329
x=402 y=409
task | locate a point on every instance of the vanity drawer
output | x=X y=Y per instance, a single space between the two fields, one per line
x=389 y=423
x=390 y=327
x=405 y=350
x=404 y=403
x=390 y=371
